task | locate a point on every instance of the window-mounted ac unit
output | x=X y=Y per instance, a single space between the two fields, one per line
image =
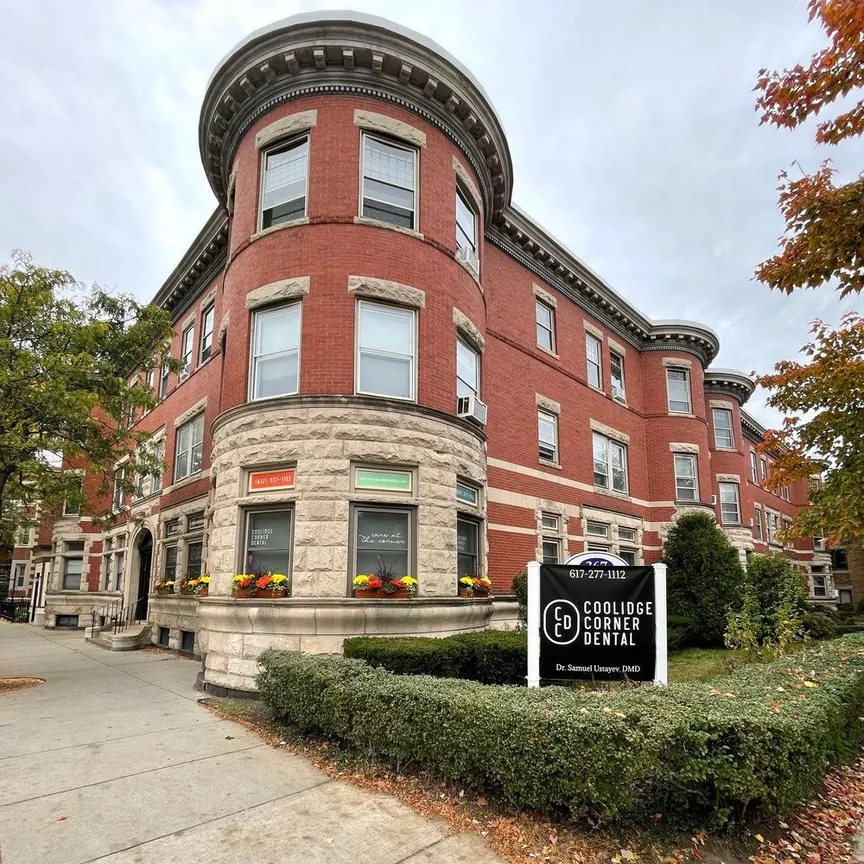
x=469 y=256
x=713 y=500
x=471 y=407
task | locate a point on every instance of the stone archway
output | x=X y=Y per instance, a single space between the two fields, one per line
x=140 y=570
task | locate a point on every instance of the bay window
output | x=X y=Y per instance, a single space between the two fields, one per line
x=386 y=351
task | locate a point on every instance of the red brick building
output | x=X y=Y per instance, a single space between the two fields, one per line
x=432 y=377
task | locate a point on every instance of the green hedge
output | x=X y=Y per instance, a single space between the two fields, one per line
x=751 y=744
x=490 y=656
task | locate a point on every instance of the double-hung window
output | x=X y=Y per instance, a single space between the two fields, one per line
x=466 y=232
x=723 y=428
x=389 y=182
x=730 y=512
x=686 y=478
x=547 y=434
x=616 y=371
x=73 y=564
x=276 y=352
x=552 y=539
x=117 y=494
x=163 y=380
x=206 y=349
x=754 y=471
x=678 y=391
x=386 y=351
x=283 y=193
x=764 y=466
x=757 y=524
x=592 y=353
x=190 y=448
x=467 y=369
x=610 y=463
x=545 y=317
x=186 y=351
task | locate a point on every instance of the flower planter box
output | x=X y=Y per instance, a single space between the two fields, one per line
x=273 y=595
x=164 y=592
x=204 y=592
x=243 y=593
x=381 y=595
x=464 y=592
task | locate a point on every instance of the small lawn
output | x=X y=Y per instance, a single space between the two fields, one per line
x=702 y=664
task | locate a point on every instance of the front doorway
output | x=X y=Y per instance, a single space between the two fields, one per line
x=145 y=563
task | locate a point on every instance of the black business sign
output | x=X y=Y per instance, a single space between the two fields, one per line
x=597 y=621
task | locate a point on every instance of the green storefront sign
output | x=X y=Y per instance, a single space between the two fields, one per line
x=390 y=481
x=466 y=494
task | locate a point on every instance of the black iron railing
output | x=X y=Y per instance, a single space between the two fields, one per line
x=116 y=616
x=104 y=616
x=15 y=609
x=127 y=615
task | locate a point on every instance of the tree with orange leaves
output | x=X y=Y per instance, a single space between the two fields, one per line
x=824 y=221
x=822 y=398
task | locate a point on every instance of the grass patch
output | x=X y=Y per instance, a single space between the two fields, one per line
x=703 y=664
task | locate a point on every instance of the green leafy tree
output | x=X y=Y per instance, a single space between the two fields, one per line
x=705 y=576
x=66 y=355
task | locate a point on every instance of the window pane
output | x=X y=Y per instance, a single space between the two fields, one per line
x=383 y=540
x=384 y=375
x=72 y=570
x=619 y=466
x=277 y=330
x=268 y=542
x=592 y=350
x=276 y=375
x=193 y=560
x=678 y=390
x=388 y=164
x=466 y=235
x=551 y=552
x=550 y=522
x=170 y=568
x=386 y=329
x=545 y=326
x=467 y=367
x=616 y=365
x=601 y=464
x=466 y=547
x=627 y=534
x=547 y=433
x=629 y=555
x=729 y=513
x=722 y=427
x=685 y=478
x=284 y=193
x=598 y=529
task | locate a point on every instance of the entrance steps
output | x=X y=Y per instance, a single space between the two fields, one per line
x=133 y=637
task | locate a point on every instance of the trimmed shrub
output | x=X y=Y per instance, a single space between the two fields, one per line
x=759 y=743
x=818 y=625
x=705 y=576
x=490 y=656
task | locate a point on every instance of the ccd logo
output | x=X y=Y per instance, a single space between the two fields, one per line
x=561 y=622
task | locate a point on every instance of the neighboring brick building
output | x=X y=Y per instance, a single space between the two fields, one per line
x=363 y=276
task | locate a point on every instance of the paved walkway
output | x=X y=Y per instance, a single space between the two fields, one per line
x=113 y=760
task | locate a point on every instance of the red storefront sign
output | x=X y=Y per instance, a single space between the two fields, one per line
x=264 y=481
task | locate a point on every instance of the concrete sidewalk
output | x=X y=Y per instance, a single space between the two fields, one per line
x=113 y=760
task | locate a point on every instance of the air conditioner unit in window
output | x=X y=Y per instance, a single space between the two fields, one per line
x=713 y=500
x=469 y=256
x=471 y=407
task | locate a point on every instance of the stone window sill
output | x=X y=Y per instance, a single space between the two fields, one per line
x=377 y=223
x=550 y=464
x=596 y=389
x=548 y=352
x=612 y=493
x=293 y=223
x=682 y=414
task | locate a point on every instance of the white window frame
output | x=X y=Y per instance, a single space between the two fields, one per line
x=164 y=375
x=191 y=425
x=736 y=502
x=206 y=342
x=551 y=420
x=722 y=445
x=550 y=329
x=757 y=520
x=593 y=365
x=603 y=532
x=472 y=389
x=619 y=392
x=254 y=358
x=65 y=571
x=470 y=245
x=117 y=494
x=396 y=145
x=763 y=464
x=679 y=458
x=678 y=370
x=279 y=147
x=187 y=352
x=754 y=468
x=360 y=350
x=609 y=444
x=552 y=541
x=19 y=578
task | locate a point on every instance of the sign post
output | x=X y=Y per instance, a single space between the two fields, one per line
x=596 y=617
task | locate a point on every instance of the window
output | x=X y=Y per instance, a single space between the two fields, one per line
x=597 y=529
x=21 y=575
x=787 y=527
x=820 y=587
x=389 y=180
x=723 y=428
x=120 y=570
x=163 y=381
x=819 y=542
x=156 y=476
x=383 y=541
x=551 y=550
x=268 y=541
x=190 y=448
x=283 y=193
x=276 y=352
x=678 y=390
x=545 y=316
x=151 y=385
x=844 y=596
x=552 y=542
x=195 y=522
x=839 y=559
x=118 y=494
x=547 y=434
x=610 y=464
x=754 y=471
x=193 y=559
x=770 y=526
x=686 y=478
x=172 y=527
x=72 y=570
x=616 y=368
x=730 y=514
x=757 y=524
x=467 y=548
x=386 y=351
x=764 y=465
x=592 y=353
x=186 y=351
x=467 y=369
x=169 y=569
x=206 y=348
x=466 y=232
x=187 y=641
x=627 y=534
x=629 y=555
x=66 y=621
x=70 y=509
x=164 y=636
x=551 y=522
x=468 y=494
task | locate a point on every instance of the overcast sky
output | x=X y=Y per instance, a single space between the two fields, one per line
x=630 y=122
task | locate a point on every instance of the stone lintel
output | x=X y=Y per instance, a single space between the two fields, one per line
x=594 y=331
x=677 y=363
x=728 y=478
x=679 y=447
x=617 y=347
x=383 y=289
x=720 y=403
x=285 y=127
x=372 y=122
x=274 y=292
x=191 y=412
x=609 y=432
x=468 y=329
x=547 y=404
x=545 y=296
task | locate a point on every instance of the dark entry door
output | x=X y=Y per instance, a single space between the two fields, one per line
x=145 y=552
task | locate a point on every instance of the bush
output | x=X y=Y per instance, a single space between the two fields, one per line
x=760 y=744
x=818 y=625
x=490 y=657
x=679 y=633
x=777 y=587
x=520 y=589
x=705 y=576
